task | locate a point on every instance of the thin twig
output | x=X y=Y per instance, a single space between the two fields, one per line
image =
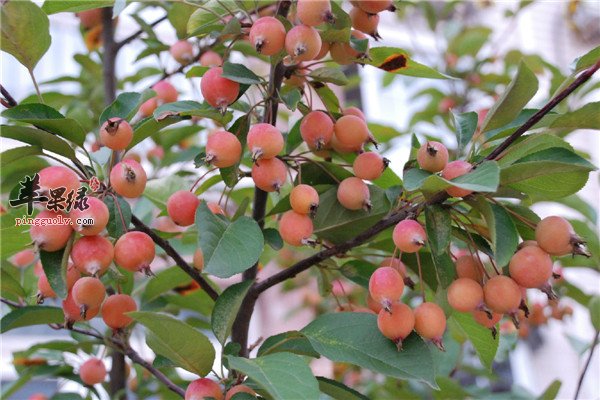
x=587 y=365
x=134 y=35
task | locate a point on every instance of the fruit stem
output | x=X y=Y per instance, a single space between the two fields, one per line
x=420 y=276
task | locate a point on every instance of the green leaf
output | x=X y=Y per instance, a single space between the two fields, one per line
x=284 y=376
x=466 y=124
x=47 y=118
x=197 y=71
x=55 y=268
x=229 y=248
x=226 y=308
x=438 y=225
x=354 y=338
x=338 y=390
x=37 y=137
x=189 y=108
x=291 y=98
x=125 y=106
x=587 y=60
x=207 y=19
x=18 y=153
x=551 y=391
x=445 y=271
x=8 y=284
x=333 y=75
x=327 y=96
x=521 y=89
x=240 y=129
x=179 y=14
x=398 y=61
x=594 y=307
x=177 y=341
x=503 y=231
x=31 y=315
x=120 y=216
x=159 y=190
x=532 y=144
x=56 y=6
x=483 y=342
x=24 y=32
x=358 y=271
x=469 y=41
x=339 y=31
x=164 y=281
x=485 y=178
x=290 y=342
x=293 y=138
x=273 y=238
x=239 y=73
x=586 y=117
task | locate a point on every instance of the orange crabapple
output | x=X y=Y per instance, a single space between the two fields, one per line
x=203 y=388
x=353 y=194
x=400 y=267
x=409 y=236
x=341 y=148
x=374 y=6
x=45 y=291
x=264 y=141
x=23 y=258
x=182 y=51
x=135 y=251
x=114 y=309
x=215 y=208
x=432 y=156
x=314 y=12
x=97 y=212
x=181 y=207
x=92 y=255
x=92 y=371
x=267 y=35
x=324 y=50
x=316 y=129
x=556 y=236
x=304 y=199
x=369 y=165
x=502 y=295
x=530 y=267
x=357 y=112
x=465 y=295
x=90 y=18
x=303 y=43
x=50 y=237
x=295 y=229
x=223 y=149
x=269 y=174
x=165 y=92
x=57 y=176
x=128 y=178
x=483 y=318
x=351 y=131
x=386 y=286
x=218 y=91
x=470 y=267
x=453 y=170
x=364 y=22
x=239 y=389
x=430 y=322
x=72 y=311
x=116 y=133
x=37 y=396
x=88 y=293
x=211 y=59
x=396 y=324
x=343 y=53
x=147 y=108
x=373 y=305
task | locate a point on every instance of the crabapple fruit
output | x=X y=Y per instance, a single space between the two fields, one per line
x=369 y=165
x=23 y=258
x=90 y=18
x=432 y=156
x=114 y=309
x=386 y=286
x=394 y=263
x=92 y=255
x=92 y=371
x=181 y=207
x=57 y=176
x=453 y=170
x=530 y=267
x=470 y=267
x=182 y=51
x=502 y=295
x=343 y=53
x=314 y=12
x=135 y=251
x=45 y=291
x=351 y=131
x=357 y=112
x=128 y=178
x=303 y=43
x=316 y=129
x=373 y=305
x=88 y=293
x=211 y=59
x=295 y=229
x=50 y=237
x=72 y=311
x=267 y=35
x=97 y=212
x=203 y=388
x=198 y=260
x=324 y=50
x=465 y=295
x=396 y=324
x=37 y=396
x=215 y=208
x=409 y=236
x=556 y=236
x=374 y=6
x=147 y=108
x=264 y=141
x=353 y=194
x=116 y=133
x=239 y=389
x=364 y=22
x=165 y=92
x=430 y=322
x=223 y=149
x=304 y=199
x=269 y=174
x=219 y=92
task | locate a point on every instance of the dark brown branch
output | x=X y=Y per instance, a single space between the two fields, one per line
x=134 y=35
x=8 y=101
x=10 y=303
x=109 y=56
x=136 y=358
x=587 y=365
x=171 y=252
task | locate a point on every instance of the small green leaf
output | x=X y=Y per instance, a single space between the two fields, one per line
x=466 y=124
x=226 y=308
x=159 y=190
x=125 y=106
x=207 y=19
x=398 y=61
x=438 y=225
x=38 y=137
x=179 y=14
x=503 y=231
x=551 y=391
x=338 y=390
x=339 y=31
x=445 y=270
x=469 y=41
x=239 y=73
x=31 y=315
x=290 y=342
x=119 y=218
x=197 y=71
x=55 y=267
x=483 y=342
x=291 y=98
x=586 y=117
x=358 y=271
x=57 y=6
x=18 y=153
x=327 y=96
x=293 y=138
x=587 y=60
x=8 y=284
x=485 y=178
x=164 y=281
x=273 y=238
x=240 y=129
x=594 y=307
x=333 y=75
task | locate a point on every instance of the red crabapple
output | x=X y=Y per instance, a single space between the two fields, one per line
x=219 y=92
x=57 y=176
x=267 y=35
x=295 y=229
x=147 y=108
x=453 y=170
x=530 y=267
x=364 y=22
x=304 y=199
x=394 y=263
x=135 y=251
x=302 y=43
x=502 y=295
x=92 y=372
x=374 y=6
x=357 y=112
x=203 y=388
x=92 y=255
x=97 y=212
x=23 y=258
x=128 y=178
x=373 y=305
x=396 y=324
x=432 y=156
x=239 y=389
x=181 y=207
x=343 y=53
x=369 y=165
x=88 y=293
x=324 y=50
x=483 y=318
x=165 y=92
x=316 y=129
x=198 y=260
x=45 y=291
x=465 y=295
x=116 y=133
x=114 y=309
x=215 y=208
x=351 y=131
x=269 y=174
x=430 y=322
x=470 y=267
x=314 y=12
x=50 y=237
x=211 y=59
x=386 y=286
x=166 y=224
x=223 y=149
x=90 y=18
x=182 y=51
x=556 y=236
x=72 y=311
x=353 y=194
x=264 y=141
x=37 y=396
x=409 y=236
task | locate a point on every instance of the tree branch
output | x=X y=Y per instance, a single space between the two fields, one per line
x=587 y=365
x=7 y=101
x=109 y=56
x=134 y=35
x=181 y=263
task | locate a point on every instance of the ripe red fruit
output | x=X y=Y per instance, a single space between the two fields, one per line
x=135 y=251
x=57 y=176
x=181 y=207
x=267 y=35
x=182 y=51
x=165 y=92
x=357 y=112
x=50 y=237
x=92 y=255
x=147 y=108
x=314 y=12
x=116 y=133
x=369 y=165
x=239 y=389
x=211 y=59
x=223 y=149
x=198 y=260
x=353 y=194
x=90 y=18
x=386 y=286
x=343 y=53
x=303 y=43
x=219 y=92
x=88 y=293
x=304 y=199
x=396 y=264
x=316 y=129
x=502 y=295
x=364 y=21
x=73 y=313
x=374 y=6
x=97 y=212
x=469 y=267
x=409 y=236
x=430 y=322
x=351 y=131
x=128 y=178
x=465 y=295
x=432 y=156
x=324 y=50
x=37 y=396
x=396 y=324
x=114 y=309
x=203 y=388
x=483 y=319
x=215 y=208
x=373 y=305
x=264 y=141
x=269 y=174
x=23 y=258
x=295 y=229
x=92 y=372
x=556 y=236
x=530 y=267
x=453 y=170
x=45 y=291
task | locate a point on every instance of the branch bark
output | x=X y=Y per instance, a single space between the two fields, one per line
x=587 y=365
x=109 y=56
x=134 y=35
